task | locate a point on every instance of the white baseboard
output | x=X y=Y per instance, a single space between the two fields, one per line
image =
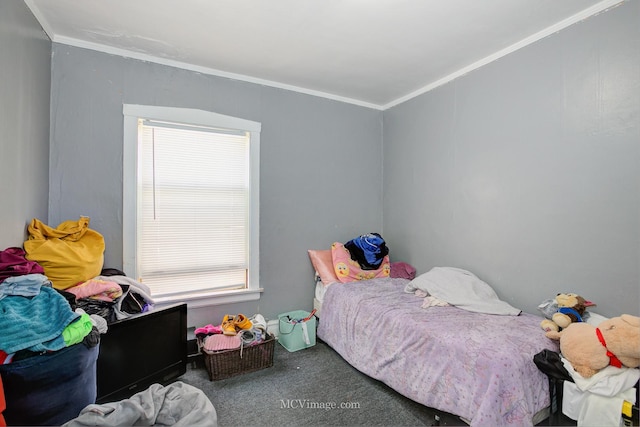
x=273 y=327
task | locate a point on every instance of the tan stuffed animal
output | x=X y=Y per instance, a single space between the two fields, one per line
x=615 y=342
x=571 y=308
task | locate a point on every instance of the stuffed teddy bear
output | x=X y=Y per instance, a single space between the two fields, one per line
x=589 y=349
x=570 y=309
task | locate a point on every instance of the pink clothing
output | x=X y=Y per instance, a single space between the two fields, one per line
x=403 y=270
x=97 y=289
x=14 y=263
x=219 y=342
x=208 y=330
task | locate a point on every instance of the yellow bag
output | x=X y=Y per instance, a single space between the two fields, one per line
x=69 y=254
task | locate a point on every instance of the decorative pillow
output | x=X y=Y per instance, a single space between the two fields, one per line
x=348 y=270
x=323 y=264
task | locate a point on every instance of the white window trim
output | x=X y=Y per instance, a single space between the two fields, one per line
x=131 y=114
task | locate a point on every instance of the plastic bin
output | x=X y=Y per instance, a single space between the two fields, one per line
x=292 y=334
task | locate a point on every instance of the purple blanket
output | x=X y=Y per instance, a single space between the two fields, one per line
x=477 y=366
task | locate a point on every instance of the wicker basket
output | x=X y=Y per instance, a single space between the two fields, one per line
x=228 y=363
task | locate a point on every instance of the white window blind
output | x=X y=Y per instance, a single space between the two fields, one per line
x=193 y=208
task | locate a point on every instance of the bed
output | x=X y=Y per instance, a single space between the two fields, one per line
x=474 y=365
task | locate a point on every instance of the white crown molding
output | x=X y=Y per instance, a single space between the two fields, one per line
x=204 y=70
x=40 y=18
x=591 y=11
x=594 y=10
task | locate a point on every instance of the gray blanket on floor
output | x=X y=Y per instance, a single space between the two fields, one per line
x=177 y=404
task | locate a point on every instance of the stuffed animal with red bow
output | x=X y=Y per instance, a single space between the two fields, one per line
x=589 y=349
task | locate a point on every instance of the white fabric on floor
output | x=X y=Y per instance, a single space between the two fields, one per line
x=177 y=404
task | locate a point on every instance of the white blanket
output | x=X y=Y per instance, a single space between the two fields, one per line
x=462 y=289
x=177 y=404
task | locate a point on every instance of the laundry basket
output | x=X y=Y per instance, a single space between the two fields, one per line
x=295 y=333
x=229 y=363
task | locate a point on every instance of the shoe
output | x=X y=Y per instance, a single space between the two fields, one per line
x=241 y=322
x=228 y=325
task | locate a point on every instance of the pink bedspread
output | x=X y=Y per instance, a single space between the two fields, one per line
x=477 y=366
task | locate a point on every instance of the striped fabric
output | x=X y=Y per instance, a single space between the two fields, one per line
x=34 y=323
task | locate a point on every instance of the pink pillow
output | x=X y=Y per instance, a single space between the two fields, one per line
x=323 y=264
x=348 y=270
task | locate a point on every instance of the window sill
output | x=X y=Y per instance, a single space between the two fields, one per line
x=196 y=300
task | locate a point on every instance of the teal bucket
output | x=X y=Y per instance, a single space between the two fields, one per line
x=293 y=336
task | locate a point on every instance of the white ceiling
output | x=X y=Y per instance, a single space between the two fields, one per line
x=375 y=53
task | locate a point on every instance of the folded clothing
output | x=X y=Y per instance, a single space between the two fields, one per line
x=219 y=342
x=258 y=321
x=97 y=289
x=402 y=270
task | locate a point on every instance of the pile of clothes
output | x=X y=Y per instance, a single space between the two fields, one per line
x=53 y=311
x=235 y=331
x=112 y=295
x=37 y=317
x=368 y=250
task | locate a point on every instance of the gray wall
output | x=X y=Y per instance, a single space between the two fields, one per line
x=321 y=163
x=524 y=171
x=25 y=64
x=527 y=170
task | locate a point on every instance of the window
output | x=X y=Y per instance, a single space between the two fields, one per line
x=190 y=204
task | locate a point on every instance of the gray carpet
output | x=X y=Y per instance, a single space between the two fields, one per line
x=299 y=390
